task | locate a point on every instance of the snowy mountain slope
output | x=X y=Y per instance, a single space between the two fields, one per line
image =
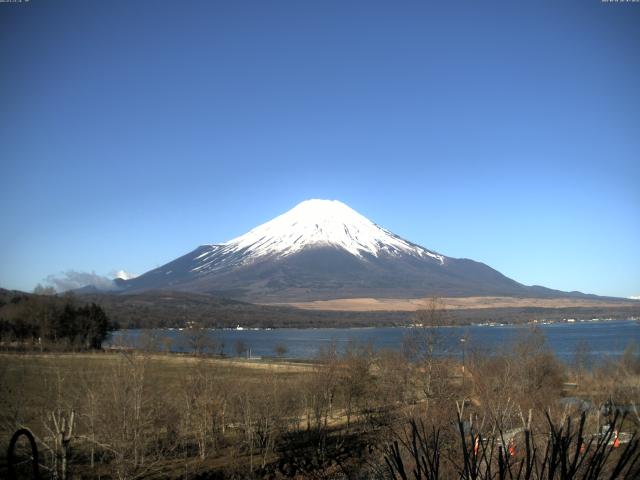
x=322 y=249
x=312 y=223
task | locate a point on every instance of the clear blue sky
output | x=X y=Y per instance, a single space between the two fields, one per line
x=507 y=132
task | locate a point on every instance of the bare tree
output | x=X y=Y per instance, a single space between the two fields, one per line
x=203 y=401
x=524 y=375
x=241 y=348
x=393 y=375
x=59 y=426
x=356 y=380
x=62 y=433
x=582 y=359
x=199 y=339
x=130 y=405
x=280 y=350
x=425 y=341
x=320 y=393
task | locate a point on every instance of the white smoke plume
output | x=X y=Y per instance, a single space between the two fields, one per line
x=73 y=280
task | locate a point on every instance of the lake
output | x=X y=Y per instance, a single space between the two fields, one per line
x=605 y=339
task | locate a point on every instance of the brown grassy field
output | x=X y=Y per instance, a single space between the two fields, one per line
x=150 y=415
x=452 y=303
x=34 y=386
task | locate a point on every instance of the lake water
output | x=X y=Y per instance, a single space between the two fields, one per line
x=605 y=339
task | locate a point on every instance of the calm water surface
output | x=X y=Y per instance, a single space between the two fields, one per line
x=604 y=338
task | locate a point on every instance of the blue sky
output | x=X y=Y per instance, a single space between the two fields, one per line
x=506 y=132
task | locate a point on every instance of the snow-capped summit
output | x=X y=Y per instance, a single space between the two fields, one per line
x=322 y=223
x=322 y=249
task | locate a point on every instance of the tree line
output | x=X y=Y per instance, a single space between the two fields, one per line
x=51 y=321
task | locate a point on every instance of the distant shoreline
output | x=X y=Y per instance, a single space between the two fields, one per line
x=410 y=326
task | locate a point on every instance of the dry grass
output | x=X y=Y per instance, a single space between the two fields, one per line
x=171 y=363
x=451 y=303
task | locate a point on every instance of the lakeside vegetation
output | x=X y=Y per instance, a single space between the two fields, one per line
x=52 y=322
x=143 y=414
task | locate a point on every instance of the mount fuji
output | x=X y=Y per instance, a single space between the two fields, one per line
x=321 y=250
